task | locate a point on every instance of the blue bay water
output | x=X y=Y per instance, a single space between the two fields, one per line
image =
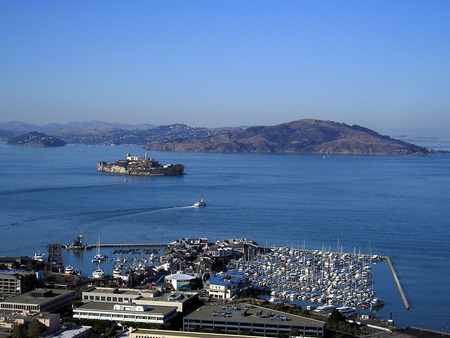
x=395 y=206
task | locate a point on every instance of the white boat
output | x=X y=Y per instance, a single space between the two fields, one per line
x=117 y=272
x=324 y=309
x=200 y=204
x=376 y=302
x=98 y=273
x=347 y=311
x=98 y=258
x=40 y=257
x=69 y=270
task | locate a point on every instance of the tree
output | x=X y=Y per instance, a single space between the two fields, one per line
x=34 y=329
x=294 y=332
x=17 y=331
x=334 y=318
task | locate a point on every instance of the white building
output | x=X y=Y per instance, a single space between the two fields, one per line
x=125 y=313
x=226 y=286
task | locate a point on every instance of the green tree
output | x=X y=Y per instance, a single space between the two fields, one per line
x=334 y=318
x=18 y=331
x=294 y=332
x=34 y=329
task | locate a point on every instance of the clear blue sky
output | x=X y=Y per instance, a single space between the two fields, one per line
x=380 y=64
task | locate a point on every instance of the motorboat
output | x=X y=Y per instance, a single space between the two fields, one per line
x=117 y=272
x=98 y=273
x=69 y=270
x=39 y=257
x=376 y=302
x=347 y=311
x=324 y=309
x=200 y=204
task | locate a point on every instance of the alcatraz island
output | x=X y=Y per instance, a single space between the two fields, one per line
x=141 y=165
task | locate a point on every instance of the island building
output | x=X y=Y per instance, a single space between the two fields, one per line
x=227 y=285
x=40 y=300
x=237 y=319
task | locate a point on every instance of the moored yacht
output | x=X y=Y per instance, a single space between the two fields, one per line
x=116 y=272
x=98 y=273
x=324 y=309
x=376 y=302
x=98 y=258
x=347 y=311
x=69 y=270
x=40 y=257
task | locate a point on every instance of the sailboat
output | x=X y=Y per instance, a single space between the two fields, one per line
x=98 y=258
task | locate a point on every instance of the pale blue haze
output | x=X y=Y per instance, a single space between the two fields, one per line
x=395 y=206
x=381 y=64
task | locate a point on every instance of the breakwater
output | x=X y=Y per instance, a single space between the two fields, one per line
x=397 y=282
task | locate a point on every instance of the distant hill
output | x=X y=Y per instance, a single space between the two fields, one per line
x=36 y=139
x=303 y=136
x=159 y=134
x=21 y=127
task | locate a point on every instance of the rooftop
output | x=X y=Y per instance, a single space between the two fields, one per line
x=38 y=296
x=249 y=313
x=164 y=333
x=155 y=309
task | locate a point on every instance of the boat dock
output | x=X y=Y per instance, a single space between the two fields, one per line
x=142 y=245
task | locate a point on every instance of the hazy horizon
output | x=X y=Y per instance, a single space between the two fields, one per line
x=380 y=64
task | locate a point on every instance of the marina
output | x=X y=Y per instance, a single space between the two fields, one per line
x=312 y=276
x=306 y=277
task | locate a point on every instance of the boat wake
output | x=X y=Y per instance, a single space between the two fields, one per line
x=102 y=215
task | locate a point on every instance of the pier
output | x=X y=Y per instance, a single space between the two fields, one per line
x=145 y=245
x=397 y=282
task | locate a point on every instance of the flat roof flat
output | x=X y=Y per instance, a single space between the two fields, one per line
x=190 y=334
x=98 y=306
x=26 y=298
x=206 y=312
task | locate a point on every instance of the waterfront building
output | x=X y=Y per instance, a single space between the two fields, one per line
x=75 y=332
x=55 y=258
x=150 y=298
x=126 y=312
x=226 y=286
x=51 y=321
x=234 y=319
x=40 y=300
x=181 y=281
x=149 y=333
x=13 y=262
x=11 y=281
